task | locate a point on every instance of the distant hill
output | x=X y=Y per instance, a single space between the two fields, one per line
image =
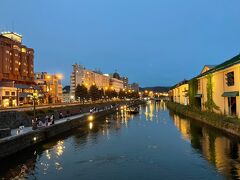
x=156 y=89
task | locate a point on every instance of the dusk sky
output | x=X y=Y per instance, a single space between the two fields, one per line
x=153 y=42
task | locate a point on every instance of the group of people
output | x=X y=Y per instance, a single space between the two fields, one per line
x=47 y=121
x=50 y=120
x=94 y=109
x=20 y=129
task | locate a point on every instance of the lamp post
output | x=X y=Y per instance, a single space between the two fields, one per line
x=34 y=97
x=48 y=77
x=105 y=94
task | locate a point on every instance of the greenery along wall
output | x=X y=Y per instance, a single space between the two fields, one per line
x=193 y=83
x=193 y=88
x=210 y=104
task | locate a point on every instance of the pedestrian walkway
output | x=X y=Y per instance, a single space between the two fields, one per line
x=70 y=118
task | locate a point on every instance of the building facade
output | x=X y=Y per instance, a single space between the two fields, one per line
x=51 y=86
x=116 y=84
x=179 y=93
x=82 y=76
x=16 y=60
x=16 y=70
x=217 y=85
x=134 y=87
x=225 y=83
x=8 y=94
x=125 y=82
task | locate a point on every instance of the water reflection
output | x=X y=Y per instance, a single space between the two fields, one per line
x=220 y=150
x=131 y=144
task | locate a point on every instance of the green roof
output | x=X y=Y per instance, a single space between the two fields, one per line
x=179 y=84
x=233 y=61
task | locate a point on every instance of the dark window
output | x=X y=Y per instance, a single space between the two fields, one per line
x=230 y=78
x=7 y=93
x=13 y=93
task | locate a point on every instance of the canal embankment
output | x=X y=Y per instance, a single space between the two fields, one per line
x=12 y=119
x=13 y=144
x=227 y=124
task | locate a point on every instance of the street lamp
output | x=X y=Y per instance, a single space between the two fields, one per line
x=59 y=76
x=34 y=97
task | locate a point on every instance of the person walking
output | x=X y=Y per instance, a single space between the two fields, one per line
x=60 y=115
x=52 y=119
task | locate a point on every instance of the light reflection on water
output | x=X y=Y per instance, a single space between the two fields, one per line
x=221 y=151
x=156 y=144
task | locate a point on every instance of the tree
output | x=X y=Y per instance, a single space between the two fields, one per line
x=101 y=93
x=114 y=94
x=81 y=92
x=121 y=94
x=94 y=93
x=108 y=94
x=50 y=99
x=133 y=95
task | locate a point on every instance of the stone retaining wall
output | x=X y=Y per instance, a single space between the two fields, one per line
x=5 y=132
x=13 y=119
x=228 y=127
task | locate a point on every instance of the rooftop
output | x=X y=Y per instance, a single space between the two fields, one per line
x=12 y=35
x=233 y=61
x=179 y=84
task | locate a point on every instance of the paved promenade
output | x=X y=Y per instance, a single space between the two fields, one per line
x=60 y=121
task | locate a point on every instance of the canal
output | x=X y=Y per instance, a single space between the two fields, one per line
x=155 y=144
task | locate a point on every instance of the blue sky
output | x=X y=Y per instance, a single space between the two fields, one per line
x=154 y=42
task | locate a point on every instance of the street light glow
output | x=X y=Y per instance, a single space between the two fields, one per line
x=90 y=118
x=59 y=76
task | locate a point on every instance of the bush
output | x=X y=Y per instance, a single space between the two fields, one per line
x=212 y=117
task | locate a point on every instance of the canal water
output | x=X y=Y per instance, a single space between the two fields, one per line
x=155 y=144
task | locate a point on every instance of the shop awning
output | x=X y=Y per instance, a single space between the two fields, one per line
x=231 y=94
x=23 y=86
x=24 y=94
x=198 y=96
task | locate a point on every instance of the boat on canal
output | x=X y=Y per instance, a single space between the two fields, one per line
x=133 y=110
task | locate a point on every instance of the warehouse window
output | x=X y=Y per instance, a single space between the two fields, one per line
x=230 y=78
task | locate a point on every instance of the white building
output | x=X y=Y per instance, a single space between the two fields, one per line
x=86 y=77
